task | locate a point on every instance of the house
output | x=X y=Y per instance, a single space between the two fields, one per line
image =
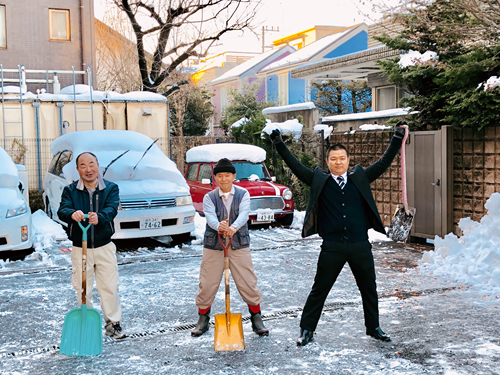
x=286 y=89
x=47 y=35
x=242 y=76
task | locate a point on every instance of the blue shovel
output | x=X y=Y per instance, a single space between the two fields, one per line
x=82 y=330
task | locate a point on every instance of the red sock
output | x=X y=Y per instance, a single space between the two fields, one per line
x=254 y=309
x=203 y=311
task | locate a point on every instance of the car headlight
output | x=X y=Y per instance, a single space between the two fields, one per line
x=17 y=211
x=287 y=194
x=183 y=201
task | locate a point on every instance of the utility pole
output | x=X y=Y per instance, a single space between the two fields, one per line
x=264 y=30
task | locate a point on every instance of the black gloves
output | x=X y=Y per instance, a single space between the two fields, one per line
x=275 y=136
x=399 y=130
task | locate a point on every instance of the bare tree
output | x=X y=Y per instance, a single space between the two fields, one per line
x=180 y=29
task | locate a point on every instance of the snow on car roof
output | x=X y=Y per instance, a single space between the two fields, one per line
x=8 y=171
x=108 y=145
x=233 y=151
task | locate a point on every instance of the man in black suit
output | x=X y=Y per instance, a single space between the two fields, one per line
x=341 y=209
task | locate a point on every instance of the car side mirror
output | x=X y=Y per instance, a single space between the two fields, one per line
x=273 y=178
x=61 y=174
x=205 y=181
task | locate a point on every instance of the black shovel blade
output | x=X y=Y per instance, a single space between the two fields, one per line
x=400 y=227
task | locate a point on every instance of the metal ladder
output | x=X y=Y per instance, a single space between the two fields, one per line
x=79 y=109
x=12 y=129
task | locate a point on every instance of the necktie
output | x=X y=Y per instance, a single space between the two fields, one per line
x=341 y=182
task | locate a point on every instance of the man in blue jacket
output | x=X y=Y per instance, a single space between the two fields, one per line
x=100 y=199
x=227 y=209
x=341 y=209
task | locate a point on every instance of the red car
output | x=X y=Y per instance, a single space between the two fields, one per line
x=268 y=201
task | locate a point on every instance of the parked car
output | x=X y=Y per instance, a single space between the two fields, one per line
x=15 y=214
x=154 y=196
x=269 y=201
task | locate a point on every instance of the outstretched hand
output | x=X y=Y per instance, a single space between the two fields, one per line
x=275 y=136
x=400 y=130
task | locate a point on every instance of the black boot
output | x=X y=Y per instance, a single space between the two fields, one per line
x=258 y=324
x=305 y=337
x=202 y=325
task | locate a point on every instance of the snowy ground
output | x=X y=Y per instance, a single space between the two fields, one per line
x=438 y=325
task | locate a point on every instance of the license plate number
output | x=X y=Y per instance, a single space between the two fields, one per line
x=151 y=223
x=265 y=216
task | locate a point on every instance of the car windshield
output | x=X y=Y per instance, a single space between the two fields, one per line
x=244 y=170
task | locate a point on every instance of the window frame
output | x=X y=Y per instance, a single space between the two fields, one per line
x=68 y=25
x=2 y=6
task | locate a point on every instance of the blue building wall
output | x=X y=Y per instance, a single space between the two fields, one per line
x=296 y=90
x=272 y=88
x=358 y=42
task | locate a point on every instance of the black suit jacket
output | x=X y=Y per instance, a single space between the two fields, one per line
x=361 y=178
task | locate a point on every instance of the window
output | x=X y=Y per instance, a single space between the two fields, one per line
x=192 y=172
x=3 y=28
x=386 y=98
x=59 y=24
x=205 y=172
x=65 y=158
x=52 y=166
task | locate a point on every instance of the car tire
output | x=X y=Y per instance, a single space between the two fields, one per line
x=48 y=210
x=181 y=238
x=286 y=220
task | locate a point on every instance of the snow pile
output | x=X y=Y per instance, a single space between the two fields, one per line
x=154 y=172
x=293 y=127
x=45 y=231
x=240 y=122
x=473 y=258
x=492 y=83
x=413 y=58
x=200 y=224
x=369 y=115
x=298 y=219
x=366 y=127
x=289 y=108
x=9 y=177
x=327 y=129
x=212 y=153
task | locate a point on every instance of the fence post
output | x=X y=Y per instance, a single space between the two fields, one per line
x=322 y=133
x=36 y=106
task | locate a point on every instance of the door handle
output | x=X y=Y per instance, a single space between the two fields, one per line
x=436 y=183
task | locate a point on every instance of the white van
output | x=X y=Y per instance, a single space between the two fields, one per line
x=15 y=214
x=154 y=196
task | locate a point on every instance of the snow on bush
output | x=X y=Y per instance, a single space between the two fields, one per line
x=327 y=129
x=293 y=127
x=413 y=58
x=492 y=83
x=473 y=258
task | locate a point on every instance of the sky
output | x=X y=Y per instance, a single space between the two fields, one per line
x=289 y=16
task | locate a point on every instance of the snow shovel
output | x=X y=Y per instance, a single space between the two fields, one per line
x=228 y=327
x=403 y=218
x=82 y=330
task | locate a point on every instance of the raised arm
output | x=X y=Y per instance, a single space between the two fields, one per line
x=302 y=172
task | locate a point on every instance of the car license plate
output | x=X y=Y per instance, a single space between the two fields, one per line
x=265 y=215
x=151 y=223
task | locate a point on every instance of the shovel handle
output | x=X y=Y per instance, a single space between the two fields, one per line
x=84 y=260
x=226 y=243
x=403 y=169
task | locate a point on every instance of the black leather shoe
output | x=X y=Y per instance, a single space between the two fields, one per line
x=258 y=325
x=378 y=334
x=202 y=325
x=305 y=337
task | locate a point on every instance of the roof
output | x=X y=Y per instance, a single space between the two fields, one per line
x=316 y=50
x=353 y=66
x=247 y=66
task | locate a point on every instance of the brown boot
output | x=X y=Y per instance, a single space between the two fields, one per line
x=258 y=325
x=202 y=325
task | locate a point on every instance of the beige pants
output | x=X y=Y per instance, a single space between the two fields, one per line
x=212 y=269
x=101 y=262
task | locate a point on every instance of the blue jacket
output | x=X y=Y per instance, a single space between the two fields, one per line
x=105 y=201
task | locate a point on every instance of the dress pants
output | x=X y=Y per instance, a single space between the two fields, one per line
x=101 y=262
x=332 y=259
